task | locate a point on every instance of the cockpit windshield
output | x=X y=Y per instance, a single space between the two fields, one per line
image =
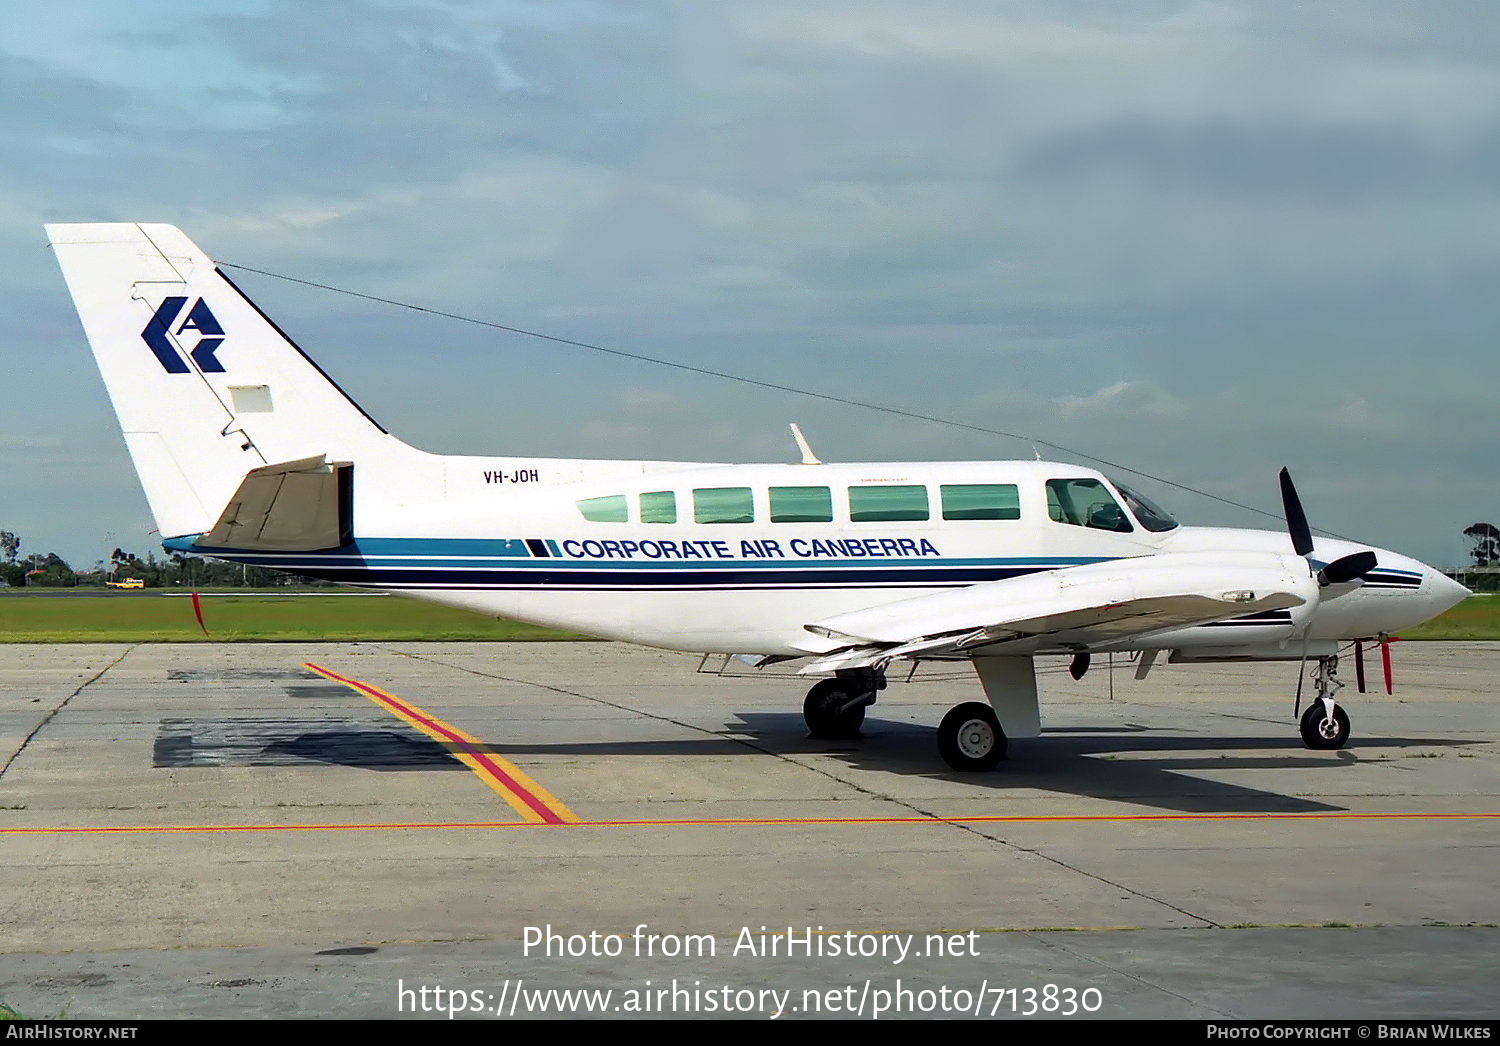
x=1147 y=512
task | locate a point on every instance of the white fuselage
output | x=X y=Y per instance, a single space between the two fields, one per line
x=738 y=558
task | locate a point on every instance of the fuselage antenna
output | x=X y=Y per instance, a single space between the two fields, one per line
x=808 y=458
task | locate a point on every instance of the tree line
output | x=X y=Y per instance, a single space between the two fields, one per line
x=21 y=569
x=1484 y=550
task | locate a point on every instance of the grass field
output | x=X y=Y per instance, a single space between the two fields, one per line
x=150 y=617
x=1477 y=617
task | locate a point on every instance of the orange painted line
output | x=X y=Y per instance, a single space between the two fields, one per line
x=529 y=799
x=751 y=822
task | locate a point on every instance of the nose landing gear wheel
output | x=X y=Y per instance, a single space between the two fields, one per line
x=970 y=738
x=825 y=713
x=1321 y=731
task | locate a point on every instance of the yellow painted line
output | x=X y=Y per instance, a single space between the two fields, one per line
x=752 y=822
x=534 y=803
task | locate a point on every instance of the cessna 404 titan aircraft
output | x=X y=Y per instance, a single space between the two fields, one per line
x=248 y=452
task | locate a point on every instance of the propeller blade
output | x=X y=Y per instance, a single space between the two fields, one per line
x=1296 y=519
x=1359 y=666
x=1347 y=568
x=1385 y=661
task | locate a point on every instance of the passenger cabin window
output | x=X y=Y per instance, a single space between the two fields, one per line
x=801 y=505
x=881 y=504
x=1085 y=503
x=659 y=506
x=612 y=509
x=980 y=501
x=723 y=505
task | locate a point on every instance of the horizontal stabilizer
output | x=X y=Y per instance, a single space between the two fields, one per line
x=295 y=506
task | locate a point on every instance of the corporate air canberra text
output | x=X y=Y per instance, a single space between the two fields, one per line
x=766 y=548
x=749 y=943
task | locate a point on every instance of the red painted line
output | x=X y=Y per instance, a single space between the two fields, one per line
x=530 y=799
x=542 y=810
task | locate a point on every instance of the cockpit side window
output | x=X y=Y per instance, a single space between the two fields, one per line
x=1147 y=512
x=1086 y=503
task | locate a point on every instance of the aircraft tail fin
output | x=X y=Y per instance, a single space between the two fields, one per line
x=206 y=386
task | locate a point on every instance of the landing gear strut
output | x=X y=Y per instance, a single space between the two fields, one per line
x=1325 y=725
x=835 y=708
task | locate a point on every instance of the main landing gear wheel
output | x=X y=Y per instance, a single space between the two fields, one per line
x=970 y=738
x=1322 y=731
x=826 y=713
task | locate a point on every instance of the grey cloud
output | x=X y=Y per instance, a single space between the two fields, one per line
x=1322 y=164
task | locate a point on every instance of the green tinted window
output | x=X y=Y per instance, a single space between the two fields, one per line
x=723 y=505
x=880 y=504
x=801 y=505
x=981 y=501
x=659 y=506
x=605 y=510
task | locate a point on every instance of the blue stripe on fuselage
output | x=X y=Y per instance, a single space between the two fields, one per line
x=508 y=563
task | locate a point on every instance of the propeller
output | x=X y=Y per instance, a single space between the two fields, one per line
x=1296 y=519
x=1352 y=567
x=1344 y=569
x=1347 y=568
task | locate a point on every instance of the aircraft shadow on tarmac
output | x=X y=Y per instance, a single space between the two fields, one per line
x=1139 y=764
x=1135 y=763
x=1143 y=765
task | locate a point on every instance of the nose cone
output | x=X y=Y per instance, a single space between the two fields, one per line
x=1403 y=593
x=1445 y=593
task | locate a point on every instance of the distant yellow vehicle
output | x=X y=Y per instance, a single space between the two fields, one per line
x=130 y=582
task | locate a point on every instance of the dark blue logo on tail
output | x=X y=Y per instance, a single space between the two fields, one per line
x=210 y=336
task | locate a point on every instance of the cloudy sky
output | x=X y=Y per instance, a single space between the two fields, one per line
x=1201 y=239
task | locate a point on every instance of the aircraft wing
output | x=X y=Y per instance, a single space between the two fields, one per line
x=1069 y=609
